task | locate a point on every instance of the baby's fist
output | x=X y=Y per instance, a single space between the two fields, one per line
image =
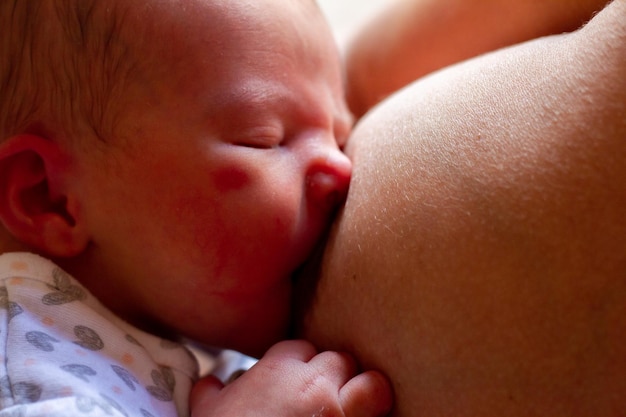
x=293 y=380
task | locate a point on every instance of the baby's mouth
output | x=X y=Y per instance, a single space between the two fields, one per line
x=306 y=276
x=305 y=280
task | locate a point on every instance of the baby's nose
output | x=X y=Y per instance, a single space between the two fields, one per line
x=328 y=178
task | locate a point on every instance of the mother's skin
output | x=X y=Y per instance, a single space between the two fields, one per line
x=480 y=260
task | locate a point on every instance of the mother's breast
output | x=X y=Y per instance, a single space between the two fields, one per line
x=479 y=260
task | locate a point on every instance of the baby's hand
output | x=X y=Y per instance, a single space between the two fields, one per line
x=292 y=380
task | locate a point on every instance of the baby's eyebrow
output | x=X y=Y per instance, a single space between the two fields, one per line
x=251 y=102
x=252 y=94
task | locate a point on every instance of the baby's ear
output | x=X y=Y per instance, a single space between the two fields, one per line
x=35 y=207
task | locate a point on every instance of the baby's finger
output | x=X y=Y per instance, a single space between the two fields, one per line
x=366 y=395
x=338 y=367
x=295 y=349
x=204 y=392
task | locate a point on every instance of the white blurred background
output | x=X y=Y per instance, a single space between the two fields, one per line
x=343 y=15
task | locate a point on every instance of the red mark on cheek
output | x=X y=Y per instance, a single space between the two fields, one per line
x=231 y=179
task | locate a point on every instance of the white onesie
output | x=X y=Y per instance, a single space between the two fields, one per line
x=64 y=354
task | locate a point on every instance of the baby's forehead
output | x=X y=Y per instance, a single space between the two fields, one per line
x=176 y=27
x=177 y=40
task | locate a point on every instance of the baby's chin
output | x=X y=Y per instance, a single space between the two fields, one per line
x=257 y=337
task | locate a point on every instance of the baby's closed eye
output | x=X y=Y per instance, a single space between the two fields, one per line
x=262 y=137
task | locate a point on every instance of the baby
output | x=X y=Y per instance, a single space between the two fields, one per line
x=164 y=168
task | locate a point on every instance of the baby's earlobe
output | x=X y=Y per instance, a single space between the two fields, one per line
x=32 y=210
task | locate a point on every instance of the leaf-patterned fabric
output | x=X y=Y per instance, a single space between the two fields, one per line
x=62 y=353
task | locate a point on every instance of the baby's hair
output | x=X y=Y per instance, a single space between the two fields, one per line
x=63 y=65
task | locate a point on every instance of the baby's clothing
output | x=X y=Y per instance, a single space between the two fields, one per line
x=64 y=354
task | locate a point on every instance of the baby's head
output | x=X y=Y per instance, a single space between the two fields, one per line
x=180 y=158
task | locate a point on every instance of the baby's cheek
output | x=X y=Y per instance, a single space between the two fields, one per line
x=230 y=179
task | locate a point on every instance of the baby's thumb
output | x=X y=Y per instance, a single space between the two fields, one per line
x=204 y=392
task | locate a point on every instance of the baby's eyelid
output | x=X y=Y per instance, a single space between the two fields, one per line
x=262 y=138
x=256 y=145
